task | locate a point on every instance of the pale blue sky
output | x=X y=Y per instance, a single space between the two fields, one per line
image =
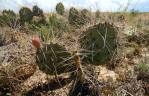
x=103 y=5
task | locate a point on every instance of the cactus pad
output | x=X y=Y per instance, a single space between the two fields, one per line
x=54 y=59
x=100 y=41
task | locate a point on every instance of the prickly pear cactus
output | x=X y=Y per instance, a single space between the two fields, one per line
x=73 y=16
x=37 y=11
x=54 y=59
x=100 y=41
x=85 y=14
x=77 y=18
x=25 y=14
x=60 y=8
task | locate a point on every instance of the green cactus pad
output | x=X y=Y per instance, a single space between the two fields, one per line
x=54 y=59
x=25 y=14
x=100 y=41
x=60 y=8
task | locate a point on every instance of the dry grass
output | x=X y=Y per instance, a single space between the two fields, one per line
x=19 y=73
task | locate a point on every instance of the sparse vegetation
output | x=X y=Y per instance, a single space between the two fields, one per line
x=76 y=53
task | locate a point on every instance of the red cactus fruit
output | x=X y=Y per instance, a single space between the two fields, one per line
x=36 y=41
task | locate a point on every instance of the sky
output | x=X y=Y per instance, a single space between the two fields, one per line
x=102 y=5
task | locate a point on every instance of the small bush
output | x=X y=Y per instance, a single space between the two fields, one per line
x=60 y=8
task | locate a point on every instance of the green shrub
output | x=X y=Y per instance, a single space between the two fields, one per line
x=100 y=41
x=60 y=8
x=25 y=15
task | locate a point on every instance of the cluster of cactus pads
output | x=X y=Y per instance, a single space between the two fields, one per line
x=100 y=41
x=54 y=59
x=78 y=18
x=26 y=14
